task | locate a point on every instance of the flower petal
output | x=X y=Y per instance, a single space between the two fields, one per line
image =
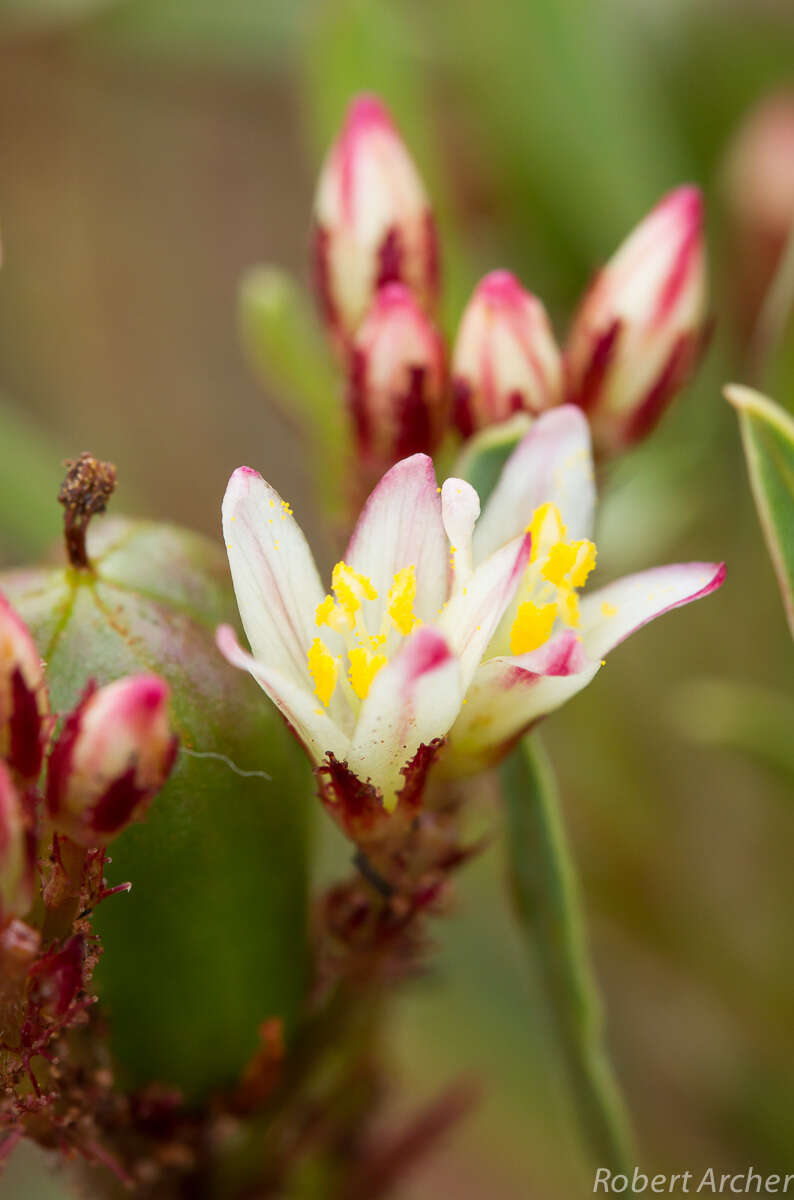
x=613 y=612
x=510 y=693
x=401 y=526
x=310 y=721
x=460 y=508
x=412 y=701
x=275 y=579
x=553 y=462
x=471 y=617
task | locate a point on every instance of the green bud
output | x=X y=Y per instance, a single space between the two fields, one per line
x=211 y=940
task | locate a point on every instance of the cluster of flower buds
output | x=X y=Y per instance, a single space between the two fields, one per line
x=633 y=344
x=113 y=754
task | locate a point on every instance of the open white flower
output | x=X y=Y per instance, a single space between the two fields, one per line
x=440 y=623
x=373 y=673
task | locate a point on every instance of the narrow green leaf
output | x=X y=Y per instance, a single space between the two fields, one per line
x=547 y=907
x=768 y=437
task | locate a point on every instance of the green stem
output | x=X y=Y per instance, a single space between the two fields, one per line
x=546 y=902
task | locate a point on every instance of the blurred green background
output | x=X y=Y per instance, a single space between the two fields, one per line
x=150 y=152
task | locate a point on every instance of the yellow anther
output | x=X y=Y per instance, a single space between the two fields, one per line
x=350 y=588
x=568 y=605
x=325 y=612
x=532 y=626
x=585 y=561
x=560 y=562
x=324 y=670
x=364 y=666
x=402 y=595
x=546 y=528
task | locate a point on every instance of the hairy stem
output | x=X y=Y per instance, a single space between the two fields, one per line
x=547 y=907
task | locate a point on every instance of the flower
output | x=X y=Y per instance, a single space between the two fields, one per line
x=640 y=329
x=114 y=753
x=505 y=358
x=17 y=852
x=372 y=674
x=551 y=643
x=441 y=624
x=372 y=220
x=24 y=704
x=397 y=380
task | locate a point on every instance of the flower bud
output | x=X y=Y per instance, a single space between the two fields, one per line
x=23 y=696
x=505 y=358
x=397 y=380
x=17 y=852
x=373 y=223
x=759 y=198
x=640 y=329
x=113 y=755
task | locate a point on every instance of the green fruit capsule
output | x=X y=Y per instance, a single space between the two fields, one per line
x=211 y=941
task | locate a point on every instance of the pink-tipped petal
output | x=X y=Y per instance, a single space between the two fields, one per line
x=274 y=575
x=460 y=508
x=510 y=693
x=312 y=724
x=412 y=702
x=613 y=612
x=471 y=617
x=401 y=526
x=553 y=462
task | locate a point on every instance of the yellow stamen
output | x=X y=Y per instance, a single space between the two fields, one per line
x=350 y=588
x=324 y=670
x=532 y=626
x=364 y=666
x=546 y=528
x=585 y=562
x=402 y=595
x=560 y=562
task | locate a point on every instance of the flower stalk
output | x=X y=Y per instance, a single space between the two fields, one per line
x=548 y=910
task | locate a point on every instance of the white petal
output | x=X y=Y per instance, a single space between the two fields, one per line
x=510 y=693
x=460 y=508
x=303 y=710
x=401 y=526
x=613 y=612
x=470 y=618
x=275 y=579
x=412 y=701
x=552 y=463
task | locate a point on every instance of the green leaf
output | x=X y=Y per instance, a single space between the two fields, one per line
x=211 y=940
x=483 y=457
x=547 y=907
x=768 y=437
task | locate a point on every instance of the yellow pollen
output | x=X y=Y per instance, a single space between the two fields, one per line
x=402 y=595
x=364 y=666
x=585 y=562
x=546 y=526
x=350 y=588
x=324 y=670
x=560 y=562
x=532 y=626
x=608 y=610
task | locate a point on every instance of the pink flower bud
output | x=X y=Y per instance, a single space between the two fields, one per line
x=23 y=696
x=759 y=194
x=640 y=329
x=373 y=223
x=505 y=358
x=397 y=380
x=17 y=852
x=113 y=755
